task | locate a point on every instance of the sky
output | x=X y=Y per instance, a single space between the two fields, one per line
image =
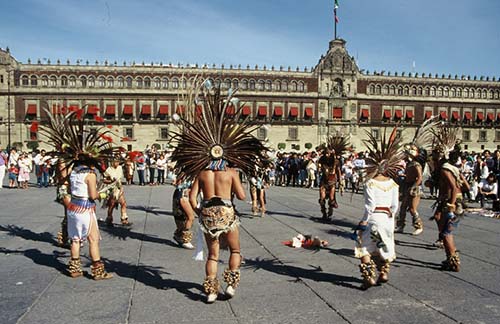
x=424 y=36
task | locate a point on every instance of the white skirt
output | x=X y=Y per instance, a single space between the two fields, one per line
x=80 y=213
x=378 y=238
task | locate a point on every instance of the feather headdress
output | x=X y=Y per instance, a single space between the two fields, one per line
x=338 y=143
x=74 y=142
x=385 y=158
x=212 y=136
x=445 y=139
x=423 y=139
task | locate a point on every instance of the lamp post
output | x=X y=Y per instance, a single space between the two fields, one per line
x=8 y=110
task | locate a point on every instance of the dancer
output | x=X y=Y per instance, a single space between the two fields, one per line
x=375 y=232
x=210 y=146
x=183 y=213
x=81 y=150
x=449 y=207
x=258 y=184
x=329 y=165
x=113 y=180
x=63 y=197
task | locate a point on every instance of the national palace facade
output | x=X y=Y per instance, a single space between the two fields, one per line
x=296 y=108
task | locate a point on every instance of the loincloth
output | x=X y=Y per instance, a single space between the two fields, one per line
x=217 y=217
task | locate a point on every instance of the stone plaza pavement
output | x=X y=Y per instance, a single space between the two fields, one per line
x=157 y=282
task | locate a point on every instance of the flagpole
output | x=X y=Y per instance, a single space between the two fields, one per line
x=335 y=20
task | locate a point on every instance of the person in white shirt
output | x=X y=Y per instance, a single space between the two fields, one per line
x=488 y=189
x=161 y=165
x=113 y=176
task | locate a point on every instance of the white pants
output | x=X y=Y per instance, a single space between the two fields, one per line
x=2 y=174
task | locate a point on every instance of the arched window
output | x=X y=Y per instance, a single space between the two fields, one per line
x=294 y=86
x=45 y=82
x=101 y=82
x=385 y=90
x=226 y=84
x=400 y=90
x=25 y=81
x=156 y=83
x=147 y=82
x=110 y=82
x=419 y=91
x=490 y=94
x=91 y=81
x=236 y=84
x=34 y=80
x=459 y=92
x=128 y=81
x=72 y=81
x=453 y=92
x=252 y=84
x=244 y=84
x=301 y=86
x=184 y=83
x=440 y=92
x=164 y=83
x=284 y=86
x=497 y=94
x=269 y=85
x=277 y=85
x=427 y=91
x=140 y=82
x=120 y=82
x=446 y=92
x=392 y=90
x=261 y=85
x=413 y=91
x=466 y=93
x=83 y=81
x=175 y=83
x=406 y=91
x=64 y=81
x=378 y=89
x=433 y=92
x=371 y=89
x=484 y=95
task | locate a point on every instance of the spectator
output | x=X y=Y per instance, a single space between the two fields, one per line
x=140 y=167
x=13 y=174
x=161 y=165
x=488 y=189
x=3 y=165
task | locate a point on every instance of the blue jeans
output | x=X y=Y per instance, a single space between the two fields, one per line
x=45 y=178
x=140 y=173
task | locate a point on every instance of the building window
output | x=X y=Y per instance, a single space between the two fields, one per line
x=110 y=82
x=482 y=136
x=120 y=82
x=147 y=83
x=72 y=81
x=293 y=133
x=433 y=92
x=269 y=85
x=392 y=90
x=45 y=81
x=83 y=82
x=164 y=133
x=376 y=133
x=284 y=86
x=175 y=83
x=459 y=93
x=466 y=135
x=497 y=136
x=128 y=132
x=277 y=86
x=157 y=83
x=64 y=81
x=226 y=84
x=371 y=89
x=34 y=80
x=25 y=81
x=236 y=84
x=164 y=83
x=139 y=83
x=101 y=83
x=261 y=85
x=252 y=85
x=1 y=80
x=262 y=133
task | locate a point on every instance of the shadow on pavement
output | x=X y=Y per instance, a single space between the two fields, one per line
x=273 y=213
x=416 y=263
x=123 y=233
x=44 y=259
x=152 y=277
x=296 y=274
x=150 y=210
x=425 y=246
x=27 y=234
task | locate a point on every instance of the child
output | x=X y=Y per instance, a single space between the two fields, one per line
x=13 y=172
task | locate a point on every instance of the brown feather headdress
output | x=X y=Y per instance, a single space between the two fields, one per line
x=422 y=141
x=445 y=139
x=212 y=135
x=384 y=159
x=73 y=142
x=339 y=144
